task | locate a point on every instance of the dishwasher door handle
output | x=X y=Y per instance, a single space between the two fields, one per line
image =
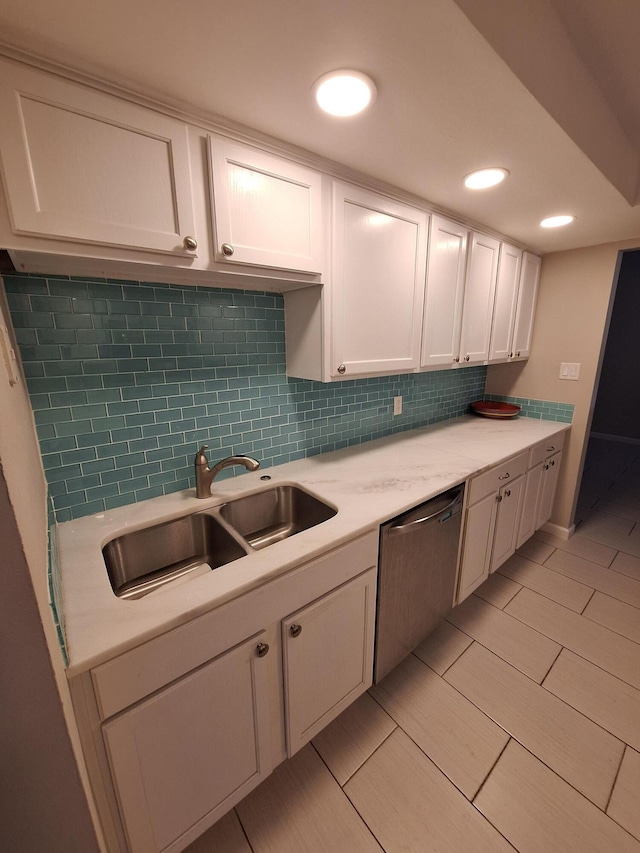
x=410 y=525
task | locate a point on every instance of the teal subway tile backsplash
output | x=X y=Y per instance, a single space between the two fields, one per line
x=127 y=380
x=541 y=409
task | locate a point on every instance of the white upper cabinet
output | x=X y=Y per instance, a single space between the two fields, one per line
x=267 y=210
x=378 y=270
x=446 y=264
x=479 y=292
x=506 y=299
x=529 y=278
x=80 y=165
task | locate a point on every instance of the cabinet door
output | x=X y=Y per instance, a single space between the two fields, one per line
x=529 y=277
x=446 y=264
x=550 y=472
x=185 y=756
x=328 y=657
x=267 y=209
x=379 y=254
x=507 y=522
x=479 y=525
x=528 y=516
x=84 y=166
x=479 y=292
x=504 y=309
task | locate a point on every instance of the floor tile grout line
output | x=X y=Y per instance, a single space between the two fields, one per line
x=593 y=592
x=584 y=714
x=548 y=597
x=555 y=773
x=244 y=831
x=593 y=622
x=345 y=794
x=491 y=769
x=552 y=569
x=457 y=658
x=360 y=766
x=624 y=752
x=512 y=736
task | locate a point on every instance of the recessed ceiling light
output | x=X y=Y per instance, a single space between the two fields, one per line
x=484 y=178
x=344 y=93
x=557 y=221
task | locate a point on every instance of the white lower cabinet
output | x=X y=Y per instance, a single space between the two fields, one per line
x=507 y=521
x=548 y=484
x=504 y=507
x=490 y=523
x=189 y=752
x=540 y=487
x=479 y=524
x=177 y=730
x=328 y=656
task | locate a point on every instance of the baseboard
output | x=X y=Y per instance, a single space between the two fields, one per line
x=623 y=438
x=557 y=530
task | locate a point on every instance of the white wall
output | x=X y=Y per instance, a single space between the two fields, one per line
x=43 y=803
x=571 y=320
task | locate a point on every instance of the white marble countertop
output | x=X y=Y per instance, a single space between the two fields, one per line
x=367 y=483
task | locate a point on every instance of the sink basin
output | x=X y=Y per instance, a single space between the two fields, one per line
x=275 y=514
x=144 y=560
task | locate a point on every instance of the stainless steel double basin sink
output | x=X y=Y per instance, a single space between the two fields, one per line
x=144 y=560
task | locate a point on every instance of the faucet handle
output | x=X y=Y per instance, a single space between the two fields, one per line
x=201 y=457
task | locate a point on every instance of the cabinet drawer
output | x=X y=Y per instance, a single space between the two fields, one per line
x=495 y=478
x=540 y=451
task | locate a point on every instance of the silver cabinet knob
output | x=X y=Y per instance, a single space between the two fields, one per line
x=510 y=355
x=190 y=243
x=227 y=249
x=504 y=476
x=341 y=369
x=518 y=353
x=457 y=360
x=262 y=649
x=498 y=498
x=508 y=493
x=551 y=449
x=295 y=630
x=467 y=358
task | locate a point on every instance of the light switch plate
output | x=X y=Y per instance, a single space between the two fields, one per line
x=397 y=405
x=570 y=370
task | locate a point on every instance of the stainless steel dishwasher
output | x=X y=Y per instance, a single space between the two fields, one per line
x=417 y=574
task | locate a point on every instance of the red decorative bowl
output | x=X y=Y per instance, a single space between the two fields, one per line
x=495 y=409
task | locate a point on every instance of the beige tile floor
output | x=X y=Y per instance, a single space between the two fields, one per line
x=516 y=726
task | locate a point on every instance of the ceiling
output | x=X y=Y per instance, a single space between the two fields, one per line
x=549 y=89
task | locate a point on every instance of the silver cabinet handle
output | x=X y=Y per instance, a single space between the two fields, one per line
x=190 y=243
x=553 y=462
x=295 y=630
x=508 y=493
x=341 y=369
x=262 y=649
x=504 y=476
x=227 y=249
x=550 y=449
